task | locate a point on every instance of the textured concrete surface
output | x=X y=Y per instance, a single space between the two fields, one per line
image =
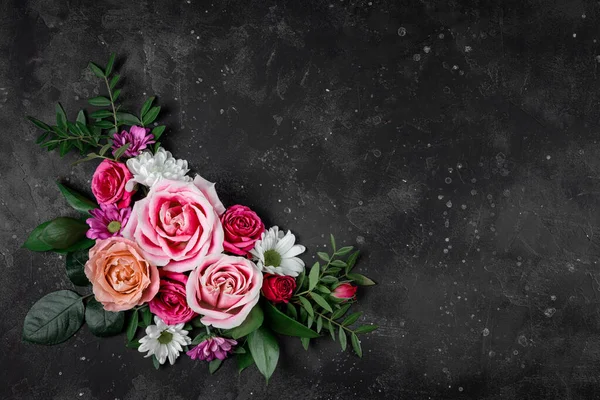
x=455 y=143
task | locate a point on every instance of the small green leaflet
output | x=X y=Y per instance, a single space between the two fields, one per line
x=313 y=276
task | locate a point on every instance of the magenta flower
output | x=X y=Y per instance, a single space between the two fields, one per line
x=214 y=347
x=107 y=221
x=138 y=137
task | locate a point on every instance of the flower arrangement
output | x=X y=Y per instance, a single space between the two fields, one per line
x=169 y=264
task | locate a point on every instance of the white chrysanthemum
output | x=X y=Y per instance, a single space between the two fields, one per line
x=275 y=253
x=148 y=168
x=164 y=341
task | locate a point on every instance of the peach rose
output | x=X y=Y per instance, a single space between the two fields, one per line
x=224 y=289
x=121 y=278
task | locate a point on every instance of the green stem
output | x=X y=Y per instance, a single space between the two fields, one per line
x=112 y=103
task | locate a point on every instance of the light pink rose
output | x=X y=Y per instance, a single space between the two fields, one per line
x=108 y=184
x=121 y=277
x=175 y=225
x=224 y=289
x=208 y=188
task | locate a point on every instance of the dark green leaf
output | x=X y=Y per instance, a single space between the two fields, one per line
x=352 y=318
x=158 y=131
x=104 y=124
x=307 y=306
x=252 y=322
x=83 y=244
x=127 y=119
x=113 y=81
x=344 y=250
x=39 y=124
x=329 y=279
x=214 y=365
x=323 y=256
x=343 y=338
x=99 y=101
x=146 y=316
x=200 y=338
x=63 y=232
x=64 y=148
x=291 y=311
x=300 y=281
x=116 y=94
x=309 y=322
x=146 y=106
x=150 y=115
x=365 y=329
x=97 y=70
x=340 y=313
x=332 y=242
x=121 y=150
x=34 y=243
x=351 y=261
x=313 y=276
x=333 y=270
x=323 y=289
x=105 y=148
x=42 y=137
x=330 y=329
x=360 y=279
x=197 y=323
x=54 y=318
x=319 y=324
x=244 y=360
x=321 y=301
x=356 y=345
x=134 y=344
x=265 y=351
x=101 y=114
x=61 y=117
x=75 y=263
x=305 y=342
x=110 y=64
x=284 y=325
x=76 y=200
x=101 y=322
x=132 y=325
x=338 y=263
x=155 y=362
x=81 y=117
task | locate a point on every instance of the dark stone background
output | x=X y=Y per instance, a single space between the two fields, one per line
x=453 y=142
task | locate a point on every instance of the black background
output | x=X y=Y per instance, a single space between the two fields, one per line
x=453 y=142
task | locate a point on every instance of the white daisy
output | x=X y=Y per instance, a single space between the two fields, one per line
x=164 y=341
x=148 y=168
x=275 y=253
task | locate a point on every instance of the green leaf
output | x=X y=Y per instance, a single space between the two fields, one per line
x=105 y=148
x=343 y=338
x=101 y=322
x=155 y=362
x=351 y=261
x=147 y=316
x=265 y=351
x=113 y=81
x=34 y=243
x=110 y=64
x=291 y=311
x=132 y=325
x=244 y=360
x=356 y=345
x=307 y=306
x=121 y=150
x=61 y=117
x=63 y=232
x=127 y=119
x=329 y=279
x=338 y=263
x=344 y=250
x=214 y=365
x=98 y=114
x=157 y=131
x=323 y=289
x=146 y=106
x=332 y=239
x=305 y=342
x=116 y=94
x=313 y=276
x=341 y=311
x=54 y=318
x=197 y=323
x=76 y=200
x=330 y=329
x=81 y=117
x=300 y=280
x=282 y=324
x=319 y=324
x=365 y=329
x=323 y=256
x=252 y=322
x=309 y=322
x=352 y=318
x=42 y=137
x=360 y=279
x=134 y=344
x=321 y=301
x=150 y=115
x=199 y=338
x=83 y=244
x=75 y=263
x=99 y=101
x=39 y=124
x=97 y=70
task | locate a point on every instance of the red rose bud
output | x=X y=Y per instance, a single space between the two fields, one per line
x=345 y=291
x=278 y=288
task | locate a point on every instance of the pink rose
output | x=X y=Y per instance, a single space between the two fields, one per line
x=121 y=277
x=224 y=289
x=175 y=225
x=108 y=184
x=242 y=228
x=170 y=303
x=344 y=292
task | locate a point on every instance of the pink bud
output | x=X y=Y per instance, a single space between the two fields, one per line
x=345 y=291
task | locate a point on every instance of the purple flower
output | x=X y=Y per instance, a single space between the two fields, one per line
x=138 y=137
x=107 y=221
x=214 y=347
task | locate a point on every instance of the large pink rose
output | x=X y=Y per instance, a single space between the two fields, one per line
x=170 y=303
x=108 y=184
x=224 y=289
x=120 y=275
x=242 y=228
x=175 y=226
